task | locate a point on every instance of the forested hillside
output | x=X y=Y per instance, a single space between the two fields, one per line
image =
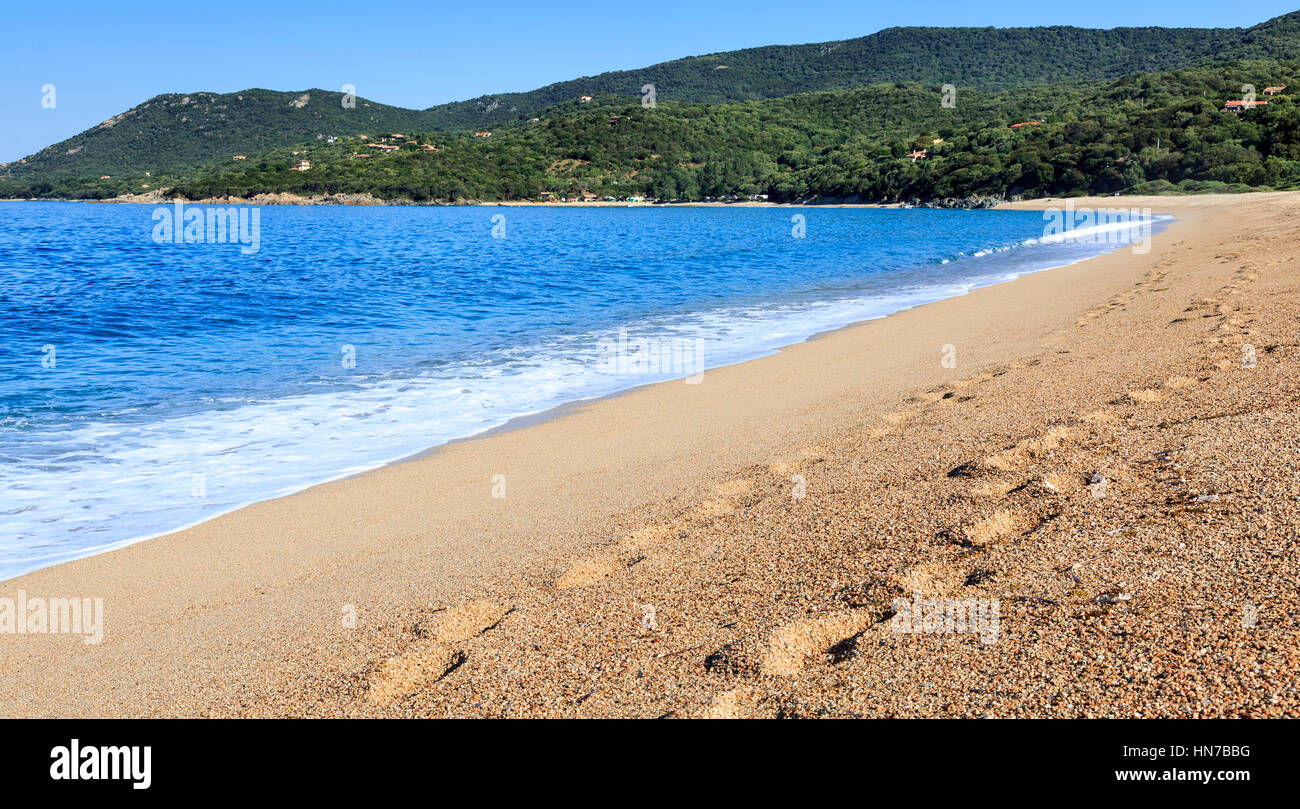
x=988 y=59
x=174 y=133
x=171 y=137
x=1148 y=133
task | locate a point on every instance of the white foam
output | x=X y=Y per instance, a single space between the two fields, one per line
x=139 y=480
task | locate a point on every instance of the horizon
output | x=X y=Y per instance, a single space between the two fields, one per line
x=382 y=71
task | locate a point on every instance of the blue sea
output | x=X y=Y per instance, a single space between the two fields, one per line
x=148 y=385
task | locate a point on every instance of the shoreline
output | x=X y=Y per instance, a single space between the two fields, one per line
x=239 y=615
x=544 y=414
x=367 y=200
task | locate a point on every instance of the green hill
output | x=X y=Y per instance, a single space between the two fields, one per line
x=977 y=58
x=1149 y=133
x=171 y=138
x=173 y=133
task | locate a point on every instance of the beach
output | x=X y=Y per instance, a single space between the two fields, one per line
x=1104 y=453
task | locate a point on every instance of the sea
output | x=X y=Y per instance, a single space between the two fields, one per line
x=156 y=376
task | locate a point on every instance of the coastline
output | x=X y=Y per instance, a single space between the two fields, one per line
x=240 y=614
x=368 y=200
x=543 y=411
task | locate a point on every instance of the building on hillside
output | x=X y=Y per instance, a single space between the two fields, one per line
x=1240 y=105
x=482 y=134
x=585 y=99
x=303 y=165
x=1272 y=91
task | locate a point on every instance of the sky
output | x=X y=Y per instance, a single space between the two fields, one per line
x=105 y=56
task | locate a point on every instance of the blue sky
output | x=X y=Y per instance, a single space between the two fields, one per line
x=105 y=57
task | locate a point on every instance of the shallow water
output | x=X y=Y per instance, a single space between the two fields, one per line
x=150 y=386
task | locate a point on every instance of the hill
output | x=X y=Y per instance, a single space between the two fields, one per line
x=172 y=133
x=1148 y=134
x=977 y=58
x=171 y=138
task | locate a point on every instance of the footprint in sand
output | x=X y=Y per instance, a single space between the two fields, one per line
x=710 y=510
x=399 y=677
x=998 y=526
x=974 y=380
x=1100 y=417
x=739 y=703
x=892 y=422
x=586 y=572
x=794 y=645
x=1145 y=396
x=1029 y=449
x=646 y=537
x=628 y=551
x=929 y=397
x=786 y=468
x=931 y=580
x=807 y=455
x=990 y=490
x=1053 y=482
x=468 y=620
x=734 y=488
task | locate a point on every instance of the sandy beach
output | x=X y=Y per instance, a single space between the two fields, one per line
x=1114 y=462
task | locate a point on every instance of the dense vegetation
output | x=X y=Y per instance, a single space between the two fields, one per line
x=990 y=59
x=175 y=133
x=1150 y=133
x=173 y=136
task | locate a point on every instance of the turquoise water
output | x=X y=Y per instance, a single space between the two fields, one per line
x=147 y=386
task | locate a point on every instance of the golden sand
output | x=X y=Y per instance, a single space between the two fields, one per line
x=1101 y=464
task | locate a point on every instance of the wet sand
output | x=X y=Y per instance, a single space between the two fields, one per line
x=739 y=547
